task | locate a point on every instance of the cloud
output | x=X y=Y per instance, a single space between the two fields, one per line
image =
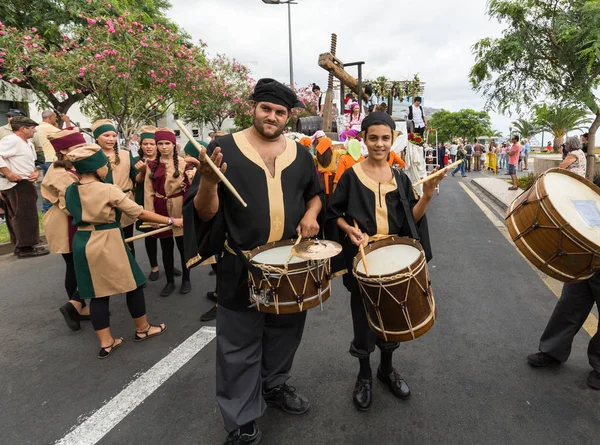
x=395 y=39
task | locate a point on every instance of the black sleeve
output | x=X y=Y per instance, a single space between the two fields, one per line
x=202 y=239
x=597 y=181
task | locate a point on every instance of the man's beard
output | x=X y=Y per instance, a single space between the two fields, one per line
x=260 y=127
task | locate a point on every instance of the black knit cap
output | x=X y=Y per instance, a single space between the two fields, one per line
x=269 y=90
x=377 y=117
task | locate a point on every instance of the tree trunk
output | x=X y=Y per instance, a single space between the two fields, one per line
x=591 y=158
x=558 y=140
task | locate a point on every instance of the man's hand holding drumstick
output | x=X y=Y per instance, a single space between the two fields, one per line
x=206 y=200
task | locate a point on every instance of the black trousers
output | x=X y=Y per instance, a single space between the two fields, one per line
x=571 y=311
x=420 y=131
x=468 y=161
x=71 y=279
x=128 y=232
x=167 y=245
x=254 y=351
x=99 y=308
x=151 y=244
x=20 y=206
x=365 y=339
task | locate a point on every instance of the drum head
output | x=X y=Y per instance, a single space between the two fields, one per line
x=577 y=202
x=276 y=255
x=389 y=259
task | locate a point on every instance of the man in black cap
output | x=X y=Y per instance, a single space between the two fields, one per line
x=17 y=184
x=277 y=178
x=6 y=130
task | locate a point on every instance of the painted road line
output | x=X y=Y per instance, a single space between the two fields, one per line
x=97 y=425
x=591 y=324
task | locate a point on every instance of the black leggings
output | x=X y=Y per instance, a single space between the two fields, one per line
x=99 y=308
x=167 y=246
x=152 y=250
x=71 y=279
x=128 y=232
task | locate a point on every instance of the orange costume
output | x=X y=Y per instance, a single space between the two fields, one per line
x=394 y=158
x=353 y=156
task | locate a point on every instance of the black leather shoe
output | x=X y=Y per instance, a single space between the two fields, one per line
x=395 y=382
x=238 y=438
x=154 y=274
x=167 y=290
x=209 y=315
x=212 y=296
x=593 y=379
x=71 y=316
x=186 y=287
x=33 y=252
x=541 y=360
x=362 y=396
x=177 y=272
x=286 y=398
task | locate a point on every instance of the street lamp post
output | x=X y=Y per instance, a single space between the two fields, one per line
x=289 y=3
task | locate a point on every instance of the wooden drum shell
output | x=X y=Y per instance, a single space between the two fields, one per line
x=546 y=239
x=411 y=312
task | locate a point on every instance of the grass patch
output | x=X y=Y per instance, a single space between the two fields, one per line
x=5 y=237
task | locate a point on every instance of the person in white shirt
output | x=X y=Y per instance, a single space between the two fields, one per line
x=417 y=116
x=17 y=184
x=453 y=151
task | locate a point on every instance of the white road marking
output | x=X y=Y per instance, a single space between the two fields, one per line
x=97 y=425
x=591 y=324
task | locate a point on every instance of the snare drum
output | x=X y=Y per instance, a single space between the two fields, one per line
x=277 y=289
x=556 y=225
x=397 y=294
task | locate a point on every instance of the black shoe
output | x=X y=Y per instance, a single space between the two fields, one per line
x=167 y=290
x=32 y=252
x=362 y=396
x=154 y=274
x=238 y=438
x=593 y=379
x=395 y=382
x=71 y=316
x=186 y=287
x=286 y=398
x=212 y=296
x=176 y=272
x=541 y=360
x=209 y=315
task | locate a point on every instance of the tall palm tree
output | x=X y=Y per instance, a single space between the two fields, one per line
x=525 y=128
x=559 y=119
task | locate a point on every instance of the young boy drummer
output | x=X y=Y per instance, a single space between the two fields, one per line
x=104 y=265
x=381 y=200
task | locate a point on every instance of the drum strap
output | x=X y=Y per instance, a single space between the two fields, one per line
x=233 y=248
x=409 y=215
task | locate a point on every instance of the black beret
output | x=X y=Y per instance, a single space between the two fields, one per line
x=377 y=118
x=269 y=90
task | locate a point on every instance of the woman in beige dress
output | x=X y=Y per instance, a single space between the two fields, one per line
x=57 y=223
x=104 y=266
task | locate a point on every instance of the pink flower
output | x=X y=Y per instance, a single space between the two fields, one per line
x=19 y=69
x=79 y=91
x=34 y=29
x=91 y=21
x=172 y=85
x=99 y=56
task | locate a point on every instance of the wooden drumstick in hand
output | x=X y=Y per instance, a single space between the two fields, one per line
x=292 y=254
x=362 y=252
x=438 y=173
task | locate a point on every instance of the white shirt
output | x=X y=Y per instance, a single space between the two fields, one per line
x=417 y=117
x=19 y=156
x=453 y=149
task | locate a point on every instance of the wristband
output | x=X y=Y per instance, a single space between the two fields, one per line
x=170 y=221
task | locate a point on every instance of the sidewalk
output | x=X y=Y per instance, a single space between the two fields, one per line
x=497 y=190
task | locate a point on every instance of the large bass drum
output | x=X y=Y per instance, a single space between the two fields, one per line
x=397 y=292
x=556 y=225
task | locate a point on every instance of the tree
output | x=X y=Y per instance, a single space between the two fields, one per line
x=559 y=119
x=221 y=97
x=549 y=49
x=47 y=22
x=125 y=70
x=466 y=124
x=525 y=128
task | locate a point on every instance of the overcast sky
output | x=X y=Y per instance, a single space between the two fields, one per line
x=395 y=38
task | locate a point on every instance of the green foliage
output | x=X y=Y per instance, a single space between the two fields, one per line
x=526 y=182
x=525 y=128
x=466 y=124
x=382 y=86
x=558 y=119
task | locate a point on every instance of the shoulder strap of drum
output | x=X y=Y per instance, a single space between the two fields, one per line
x=406 y=206
x=242 y=256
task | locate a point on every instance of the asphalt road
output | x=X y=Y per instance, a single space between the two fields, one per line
x=468 y=375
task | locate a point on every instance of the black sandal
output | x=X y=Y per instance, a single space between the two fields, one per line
x=146 y=334
x=104 y=351
x=72 y=317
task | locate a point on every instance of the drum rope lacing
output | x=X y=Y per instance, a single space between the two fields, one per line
x=560 y=252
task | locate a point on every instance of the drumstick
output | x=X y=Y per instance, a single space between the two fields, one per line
x=211 y=164
x=438 y=173
x=149 y=225
x=362 y=252
x=292 y=254
x=145 y=235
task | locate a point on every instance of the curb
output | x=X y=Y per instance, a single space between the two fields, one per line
x=490 y=195
x=8 y=248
